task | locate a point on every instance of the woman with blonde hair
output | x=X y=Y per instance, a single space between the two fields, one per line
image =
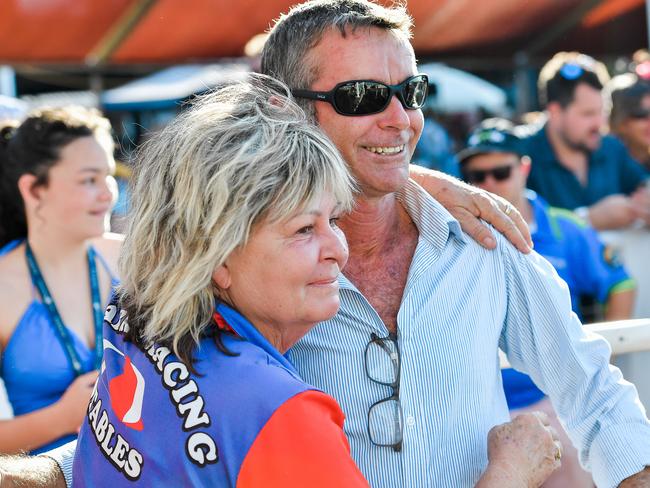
x=57 y=266
x=232 y=254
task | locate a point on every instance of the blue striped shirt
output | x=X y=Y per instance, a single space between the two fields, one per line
x=460 y=304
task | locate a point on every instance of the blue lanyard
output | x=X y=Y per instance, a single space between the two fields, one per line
x=62 y=332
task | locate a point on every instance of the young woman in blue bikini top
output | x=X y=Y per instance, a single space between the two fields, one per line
x=56 y=270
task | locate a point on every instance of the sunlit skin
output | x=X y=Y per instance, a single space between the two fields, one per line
x=386 y=58
x=79 y=191
x=377 y=149
x=284 y=280
x=635 y=132
x=580 y=123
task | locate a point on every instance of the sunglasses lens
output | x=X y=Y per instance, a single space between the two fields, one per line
x=502 y=173
x=478 y=176
x=361 y=97
x=640 y=114
x=475 y=177
x=415 y=92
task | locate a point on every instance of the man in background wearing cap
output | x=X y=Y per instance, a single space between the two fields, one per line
x=575 y=166
x=493 y=161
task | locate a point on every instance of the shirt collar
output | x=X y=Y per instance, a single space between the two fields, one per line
x=434 y=223
x=247 y=331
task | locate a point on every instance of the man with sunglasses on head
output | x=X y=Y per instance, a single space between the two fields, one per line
x=576 y=167
x=412 y=354
x=493 y=160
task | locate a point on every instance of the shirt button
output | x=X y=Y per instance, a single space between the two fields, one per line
x=410 y=421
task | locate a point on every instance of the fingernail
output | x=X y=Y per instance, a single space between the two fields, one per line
x=489 y=242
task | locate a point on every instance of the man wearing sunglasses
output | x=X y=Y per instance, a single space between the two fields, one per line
x=576 y=167
x=493 y=161
x=412 y=354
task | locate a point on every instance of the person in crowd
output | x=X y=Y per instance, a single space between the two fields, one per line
x=493 y=160
x=439 y=302
x=57 y=266
x=435 y=148
x=576 y=167
x=629 y=118
x=239 y=262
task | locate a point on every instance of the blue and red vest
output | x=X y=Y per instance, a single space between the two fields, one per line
x=245 y=420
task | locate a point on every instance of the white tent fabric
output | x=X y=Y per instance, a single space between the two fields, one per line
x=12 y=108
x=460 y=91
x=170 y=86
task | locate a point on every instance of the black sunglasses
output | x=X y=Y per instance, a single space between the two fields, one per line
x=640 y=113
x=476 y=176
x=366 y=97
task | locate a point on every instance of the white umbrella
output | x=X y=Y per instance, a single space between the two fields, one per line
x=11 y=108
x=460 y=91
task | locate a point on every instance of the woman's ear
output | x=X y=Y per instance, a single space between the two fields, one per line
x=29 y=190
x=221 y=277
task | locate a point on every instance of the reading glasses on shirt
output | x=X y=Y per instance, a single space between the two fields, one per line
x=366 y=97
x=385 y=417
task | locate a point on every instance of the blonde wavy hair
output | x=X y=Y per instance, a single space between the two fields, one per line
x=238 y=157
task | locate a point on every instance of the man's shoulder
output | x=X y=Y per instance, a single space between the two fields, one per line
x=612 y=145
x=535 y=143
x=567 y=218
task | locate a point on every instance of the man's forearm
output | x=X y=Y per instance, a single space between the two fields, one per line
x=639 y=480
x=32 y=472
x=620 y=305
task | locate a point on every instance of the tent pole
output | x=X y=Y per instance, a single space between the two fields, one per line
x=647 y=20
x=118 y=32
x=524 y=101
x=569 y=21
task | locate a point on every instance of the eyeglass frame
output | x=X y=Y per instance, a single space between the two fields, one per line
x=395 y=90
x=469 y=175
x=374 y=338
x=639 y=113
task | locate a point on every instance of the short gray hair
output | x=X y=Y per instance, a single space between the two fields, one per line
x=294 y=34
x=237 y=157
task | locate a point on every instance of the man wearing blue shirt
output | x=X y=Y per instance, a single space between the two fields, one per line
x=575 y=166
x=493 y=161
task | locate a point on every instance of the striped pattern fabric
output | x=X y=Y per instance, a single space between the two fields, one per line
x=461 y=303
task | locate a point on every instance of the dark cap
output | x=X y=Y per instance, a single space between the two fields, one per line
x=491 y=136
